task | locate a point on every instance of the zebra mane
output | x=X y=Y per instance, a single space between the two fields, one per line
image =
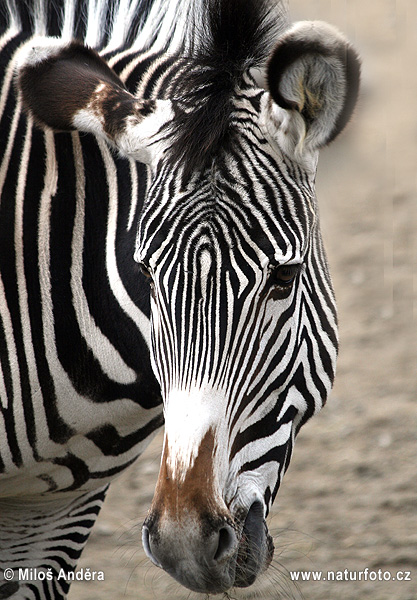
x=226 y=40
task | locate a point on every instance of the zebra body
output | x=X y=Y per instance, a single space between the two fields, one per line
x=181 y=277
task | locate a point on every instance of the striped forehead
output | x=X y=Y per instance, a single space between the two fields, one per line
x=238 y=201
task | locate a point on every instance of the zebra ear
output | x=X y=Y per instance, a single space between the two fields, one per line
x=70 y=87
x=313 y=79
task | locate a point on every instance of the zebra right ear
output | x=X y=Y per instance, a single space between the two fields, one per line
x=313 y=80
x=69 y=87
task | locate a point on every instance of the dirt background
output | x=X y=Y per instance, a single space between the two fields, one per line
x=349 y=499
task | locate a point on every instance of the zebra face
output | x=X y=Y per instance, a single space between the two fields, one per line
x=244 y=336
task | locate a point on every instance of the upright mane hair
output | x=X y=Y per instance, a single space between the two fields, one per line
x=227 y=39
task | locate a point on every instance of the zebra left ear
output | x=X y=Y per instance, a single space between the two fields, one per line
x=313 y=79
x=69 y=87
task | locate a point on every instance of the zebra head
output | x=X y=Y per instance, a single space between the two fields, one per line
x=244 y=326
x=244 y=332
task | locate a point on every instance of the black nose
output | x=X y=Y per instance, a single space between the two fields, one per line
x=147 y=546
x=217 y=545
x=198 y=556
x=226 y=543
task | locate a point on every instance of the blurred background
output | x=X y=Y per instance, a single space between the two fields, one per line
x=349 y=499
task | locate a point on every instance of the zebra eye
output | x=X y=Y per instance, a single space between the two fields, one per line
x=145 y=270
x=284 y=275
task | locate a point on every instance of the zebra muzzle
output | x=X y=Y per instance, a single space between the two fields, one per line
x=214 y=556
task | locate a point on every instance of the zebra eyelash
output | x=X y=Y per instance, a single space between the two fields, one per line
x=285 y=275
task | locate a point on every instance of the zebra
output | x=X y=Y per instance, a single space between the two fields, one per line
x=161 y=264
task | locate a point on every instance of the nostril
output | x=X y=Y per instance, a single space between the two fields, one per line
x=226 y=544
x=146 y=542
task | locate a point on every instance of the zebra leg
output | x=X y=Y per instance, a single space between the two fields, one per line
x=41 y=541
